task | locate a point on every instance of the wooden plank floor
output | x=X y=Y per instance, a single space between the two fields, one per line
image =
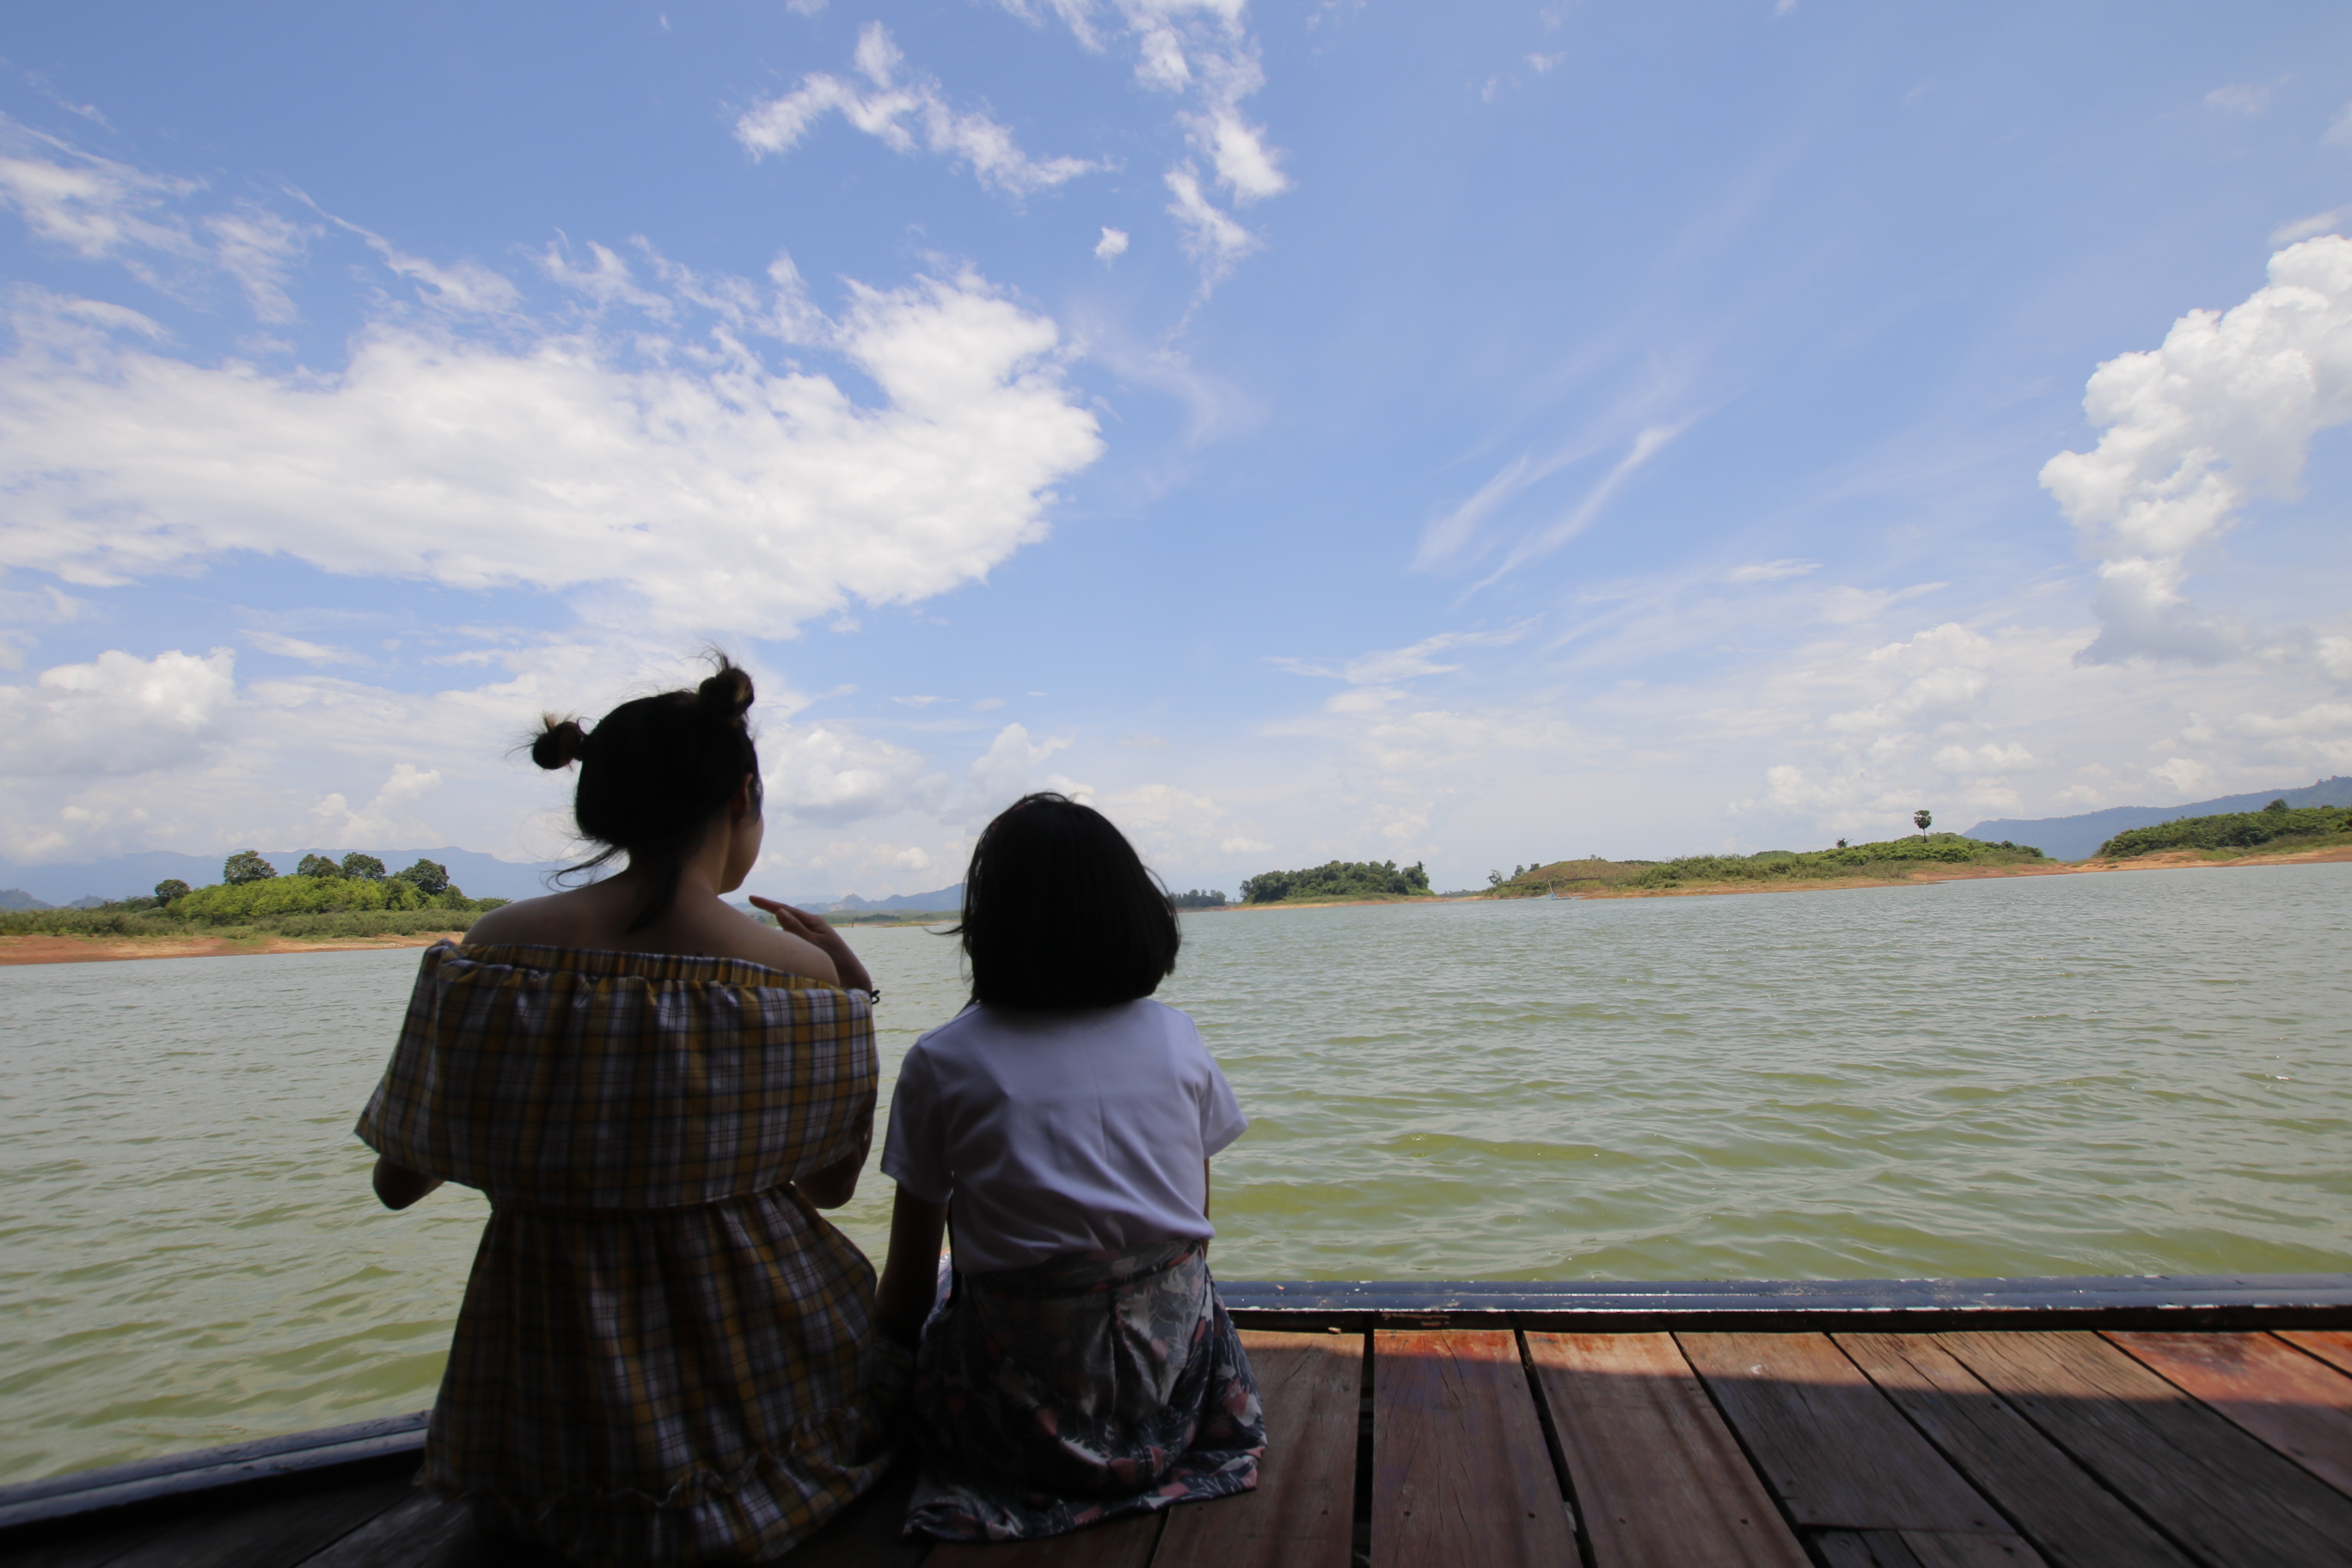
x=1493 y=1448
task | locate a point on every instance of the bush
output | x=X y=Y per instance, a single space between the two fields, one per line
x=2230 y=830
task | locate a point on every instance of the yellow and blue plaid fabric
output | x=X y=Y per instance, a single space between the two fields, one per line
x=664 y=1354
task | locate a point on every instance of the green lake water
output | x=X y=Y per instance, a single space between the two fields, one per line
x=2138 y=1073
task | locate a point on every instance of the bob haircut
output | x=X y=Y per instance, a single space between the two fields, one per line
x=1059 y=912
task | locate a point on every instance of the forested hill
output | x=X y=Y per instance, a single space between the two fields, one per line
x=2078 y=837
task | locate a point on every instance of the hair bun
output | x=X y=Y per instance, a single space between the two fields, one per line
x=560 y=744
x=729 y=689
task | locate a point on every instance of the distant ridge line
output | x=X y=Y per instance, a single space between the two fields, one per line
x=2076 y=838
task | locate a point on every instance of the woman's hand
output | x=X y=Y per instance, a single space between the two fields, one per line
x=818 y=933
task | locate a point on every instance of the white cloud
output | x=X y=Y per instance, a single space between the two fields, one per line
x=1769 y=570
x=383 y=820
x=829 y=774
x=2327 y=222
x=1210 y=235
x=2248 y=98
x=117 y=714
x=1008 y=769
x=295 y=647
x=259 y=248
x=717 y=493
x=1112 y=244
x=1545 y=63
x=1384 y=666
x=1199 y=51
x=2224 y=411
x=894 y=113
x=2339 y=132
x=1651 y=440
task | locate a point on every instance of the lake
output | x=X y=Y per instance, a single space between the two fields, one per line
x=2135 y=1073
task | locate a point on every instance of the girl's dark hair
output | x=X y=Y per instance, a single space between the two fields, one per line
x=653 y=773
x=1058 y=910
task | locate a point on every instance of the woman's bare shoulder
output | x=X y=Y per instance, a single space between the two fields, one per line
x=762 y=945
x=545 y=921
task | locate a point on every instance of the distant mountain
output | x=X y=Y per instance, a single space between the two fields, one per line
x=18 y=899
x=135 y=876
x=943 y=899
x=2075 y=837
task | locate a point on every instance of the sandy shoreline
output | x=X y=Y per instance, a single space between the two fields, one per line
x=102 y=950
x=106 y=948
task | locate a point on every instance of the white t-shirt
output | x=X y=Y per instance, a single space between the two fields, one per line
x=1060 y=1132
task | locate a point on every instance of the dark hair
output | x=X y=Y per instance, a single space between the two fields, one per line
x=653 y=773
x=1058 y=910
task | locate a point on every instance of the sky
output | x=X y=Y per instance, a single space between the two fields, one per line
x=1470 y=435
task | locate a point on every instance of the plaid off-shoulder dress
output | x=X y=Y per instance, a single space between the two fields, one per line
x=666 y=1354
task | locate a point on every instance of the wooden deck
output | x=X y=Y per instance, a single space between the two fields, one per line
x=1476 y=1437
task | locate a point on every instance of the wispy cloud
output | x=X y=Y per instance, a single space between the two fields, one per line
x=1199 y=52
x=1648 y=442
x=904 y=115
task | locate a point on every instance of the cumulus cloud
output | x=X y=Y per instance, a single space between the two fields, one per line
x=717 y=492
x=2222 y=412
x=1008 y=769
x=903 y=115
x=1112 y=244
x=116 y=714
x=831 y=775
x=384 y=819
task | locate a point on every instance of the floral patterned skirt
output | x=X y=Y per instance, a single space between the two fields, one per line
x=1082 y=1388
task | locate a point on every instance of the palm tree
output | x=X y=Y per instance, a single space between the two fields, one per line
x=1924 y=820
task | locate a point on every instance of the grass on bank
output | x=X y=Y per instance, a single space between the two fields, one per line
x=299 y=908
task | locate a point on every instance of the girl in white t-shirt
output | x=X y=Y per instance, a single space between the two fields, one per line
x=1080 y=1365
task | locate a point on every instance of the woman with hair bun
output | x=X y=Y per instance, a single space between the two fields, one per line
x=666 y=1354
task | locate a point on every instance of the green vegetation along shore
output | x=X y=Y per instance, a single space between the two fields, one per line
x=1889 y=860
x=324 y=902
x=1337 y=881
x=2277 y=828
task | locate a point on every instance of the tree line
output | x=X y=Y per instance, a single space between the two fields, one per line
x=1337 y=879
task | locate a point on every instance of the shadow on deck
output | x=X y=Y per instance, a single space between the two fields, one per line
x=1487 y=1434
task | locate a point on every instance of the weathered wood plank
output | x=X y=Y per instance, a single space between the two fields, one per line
x=2226 y=1497
x=274 y=1532
x=1122 y=1543
x=2076 y=1522
x=1922 y=1549
x=2333 y=1346
x=1303 y=1510
x=2300 y=1406
x=1658 y=1477
x=89 y=1546
x=1461 y=1473
x=1838 y=1455
x=423 y=1532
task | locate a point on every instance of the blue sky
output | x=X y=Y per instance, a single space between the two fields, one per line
x=1466 y=435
